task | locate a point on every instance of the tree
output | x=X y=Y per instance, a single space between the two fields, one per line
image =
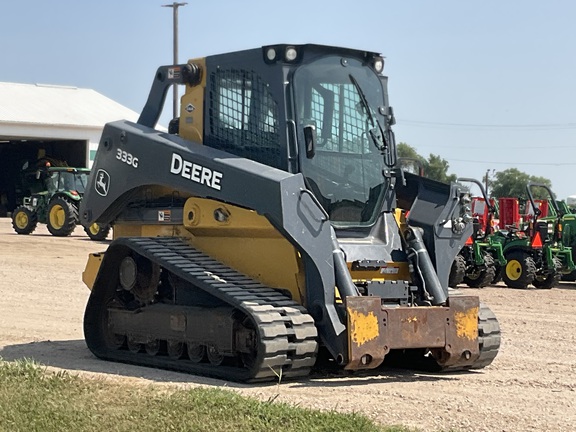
x=512 y=183
x=434 y=167
x=407 y=151
x=411 y=161
x=437 y=169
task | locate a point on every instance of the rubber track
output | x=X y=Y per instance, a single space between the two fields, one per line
x=287 y=334
x=488 y=339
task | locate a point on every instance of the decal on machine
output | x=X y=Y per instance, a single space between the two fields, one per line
x=127 y=158
x=389 y=270
x=102 y=184
x=197 y=173
x=164 y=215
x=174 y=72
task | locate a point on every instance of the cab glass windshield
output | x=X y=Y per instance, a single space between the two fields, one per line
x=342 y=99
x=67 y=181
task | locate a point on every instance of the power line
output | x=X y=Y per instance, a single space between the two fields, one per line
x=514 y=163
x=538 y=126
x=499 y=146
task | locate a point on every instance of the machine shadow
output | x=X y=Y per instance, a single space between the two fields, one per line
x=73 y=355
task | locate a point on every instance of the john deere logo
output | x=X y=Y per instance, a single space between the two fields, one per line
x=102 y=182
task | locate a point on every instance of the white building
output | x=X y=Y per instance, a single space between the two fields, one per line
x=38 y=120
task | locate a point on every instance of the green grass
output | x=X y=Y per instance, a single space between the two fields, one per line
x=34 y=399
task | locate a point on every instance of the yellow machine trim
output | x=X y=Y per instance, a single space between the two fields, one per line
x=388 y=271
x=92 y=267
x=148 y=230
x=400 y=216
x=367 y=341
x=467 y=323
x=239 y=238
x=391 y=270
x=363 y=327
x=245 y=241
x=192 y=107
x=205 y=217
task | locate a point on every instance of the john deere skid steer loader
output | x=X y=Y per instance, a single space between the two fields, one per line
x=272 y=230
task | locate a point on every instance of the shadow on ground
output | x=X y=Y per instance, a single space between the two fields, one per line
x=73 y=355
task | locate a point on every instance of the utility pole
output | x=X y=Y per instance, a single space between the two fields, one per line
x=175 y=7
x=486 y=179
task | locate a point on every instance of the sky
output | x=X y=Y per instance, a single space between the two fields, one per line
x=487 y=85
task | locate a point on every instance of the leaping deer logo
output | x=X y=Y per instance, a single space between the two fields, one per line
x=102 y=182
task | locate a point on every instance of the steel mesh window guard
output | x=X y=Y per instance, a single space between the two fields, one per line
x=244 y=116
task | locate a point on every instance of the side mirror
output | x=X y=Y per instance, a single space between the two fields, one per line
x=391 y=118
x=310 y=140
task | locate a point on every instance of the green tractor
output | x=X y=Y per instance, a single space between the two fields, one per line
x=566 y=220
x=536 y=255
x=481 y=259
x=52 y=195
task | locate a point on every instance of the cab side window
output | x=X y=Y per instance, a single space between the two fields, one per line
x=243 y=117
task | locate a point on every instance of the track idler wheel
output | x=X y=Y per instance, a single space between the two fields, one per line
x=152 y=347
x=133 y=345
x=140 y=277
x=175 y=349
x=115 y=341
x=214 y=355
x=127 y=273
x=249 y=342
x=196 y=352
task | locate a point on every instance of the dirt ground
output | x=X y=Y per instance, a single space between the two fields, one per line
x=531 y=386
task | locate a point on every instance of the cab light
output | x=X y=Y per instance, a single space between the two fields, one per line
x=290 y=54
x=271 y=54
x=378 y=64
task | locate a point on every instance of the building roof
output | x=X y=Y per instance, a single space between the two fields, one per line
x=42 y=104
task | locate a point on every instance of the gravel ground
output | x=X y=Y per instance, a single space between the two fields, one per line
x=531 y=386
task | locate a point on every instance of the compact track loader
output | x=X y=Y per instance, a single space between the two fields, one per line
x=272 y=231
